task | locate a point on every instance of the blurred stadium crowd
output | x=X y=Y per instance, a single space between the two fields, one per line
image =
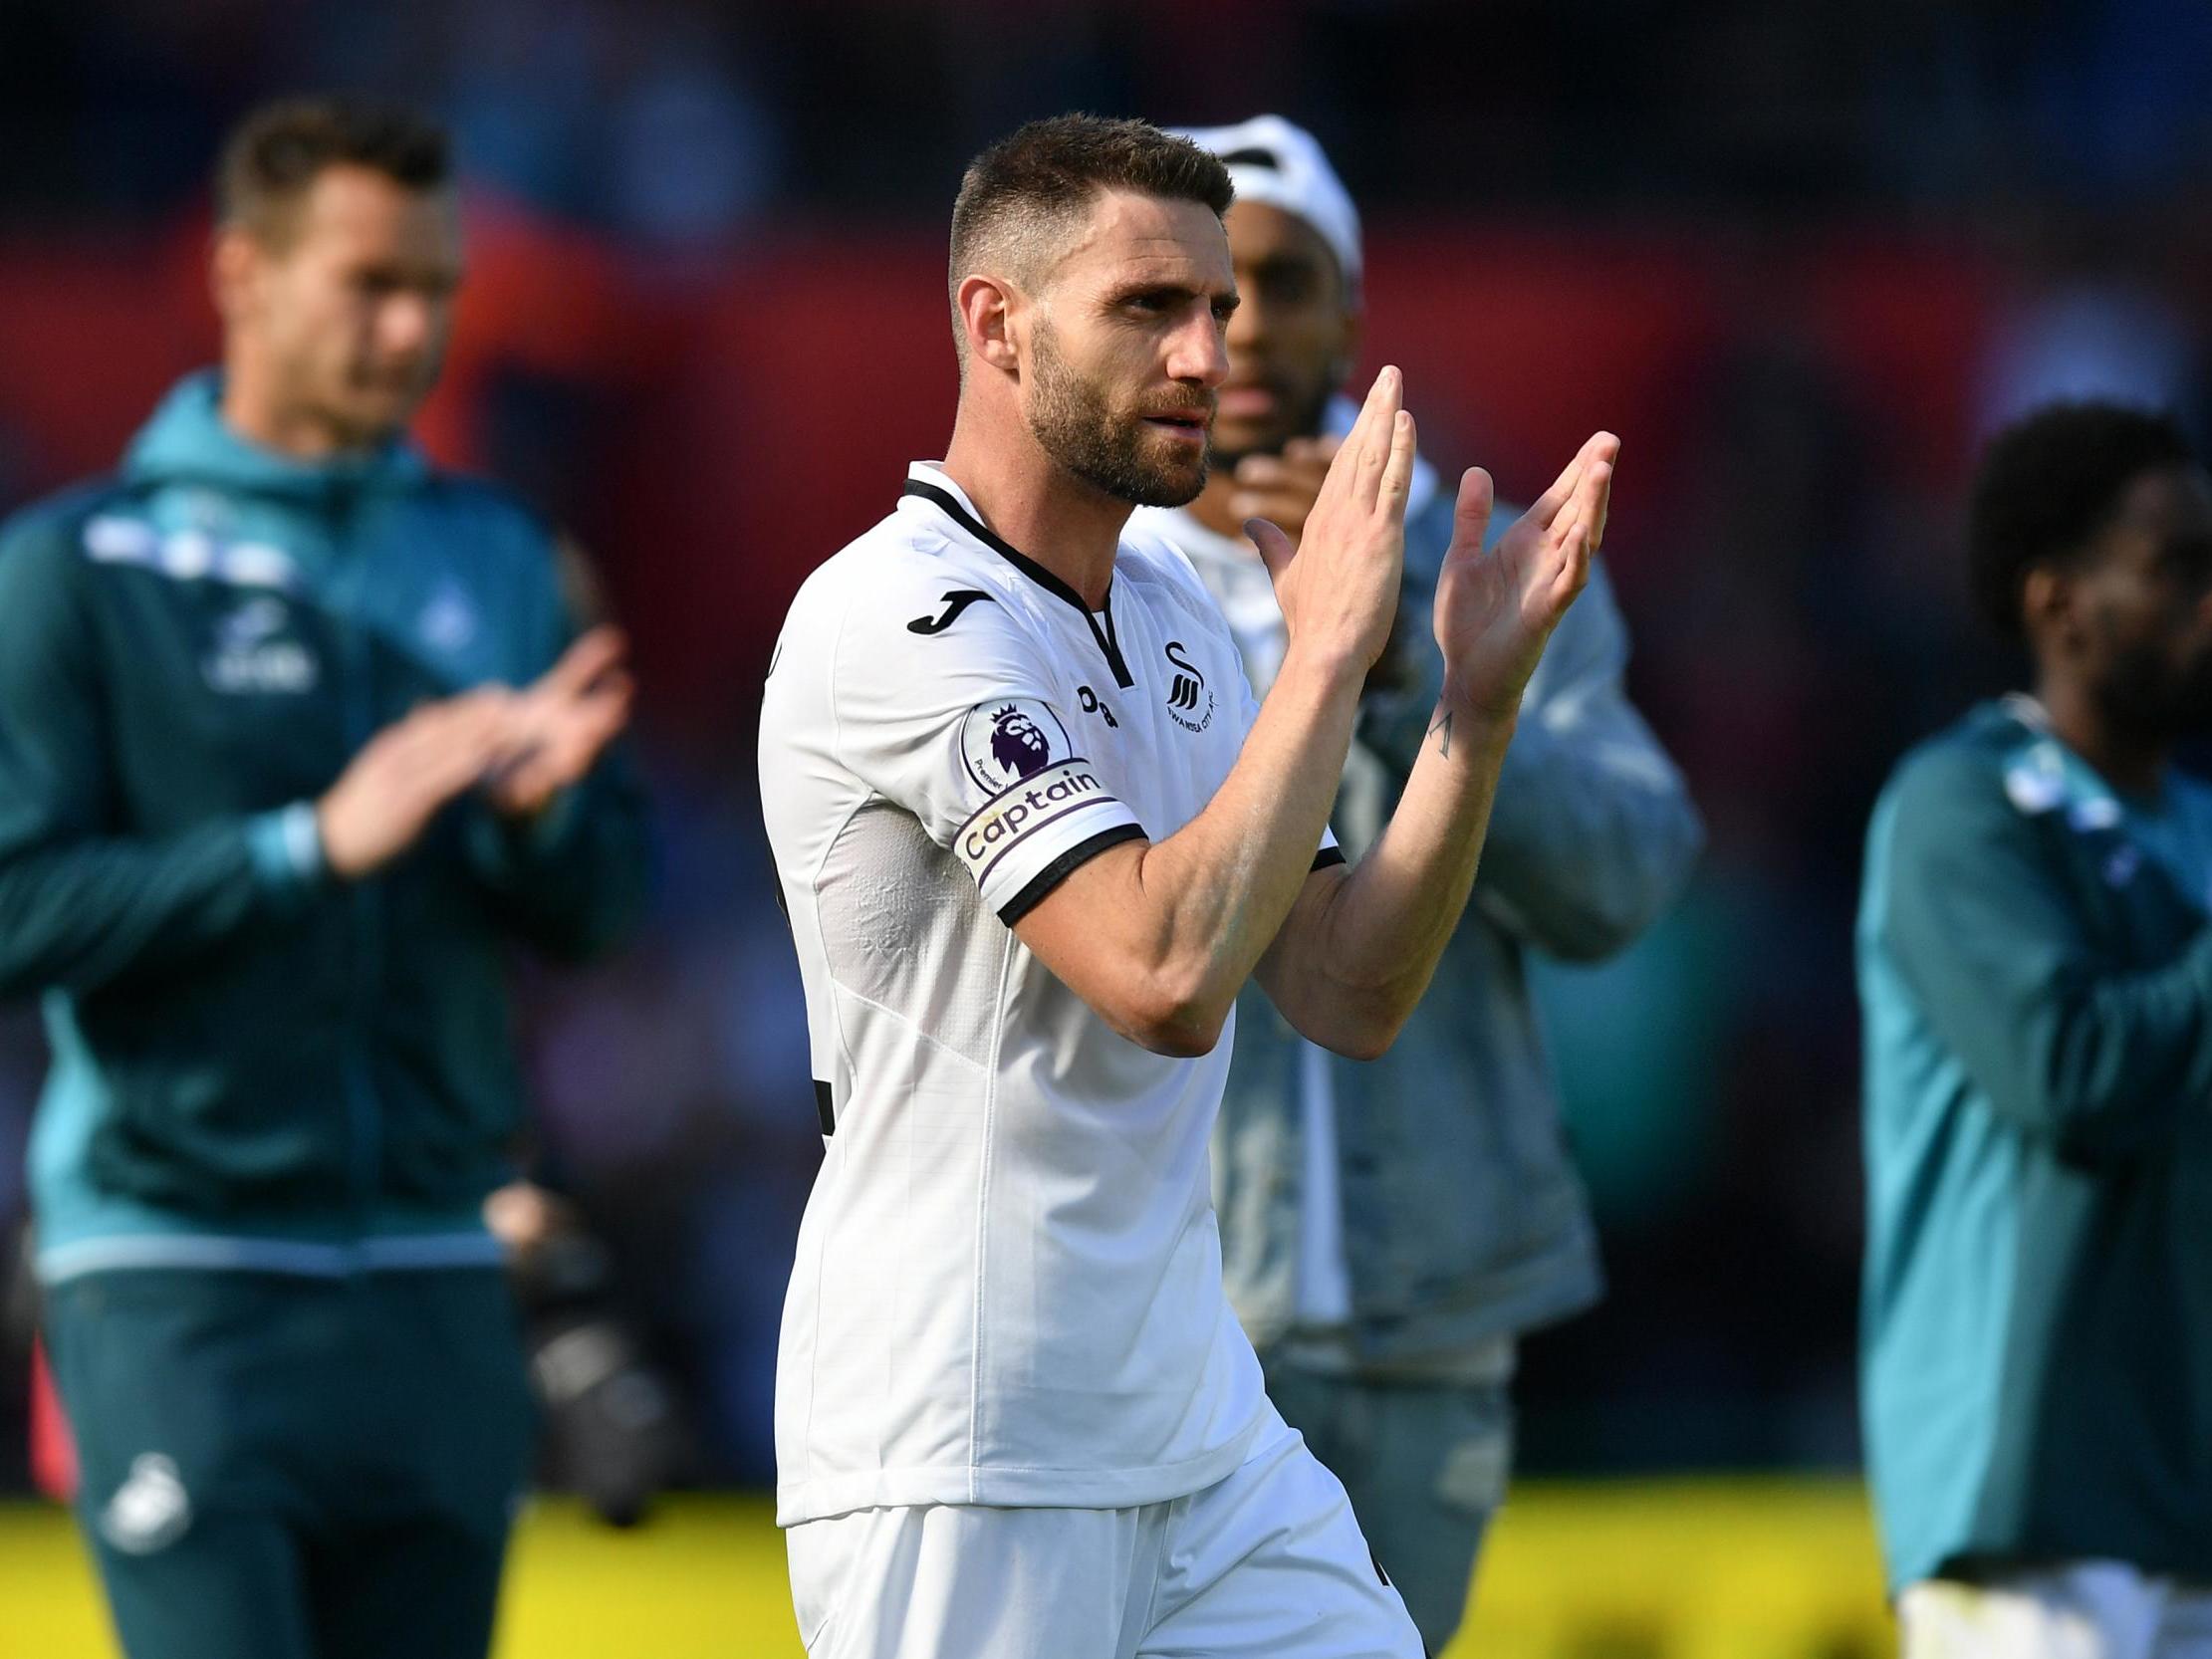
x=683 y=122
x=1804 y=256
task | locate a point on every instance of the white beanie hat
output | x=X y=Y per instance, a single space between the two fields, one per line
x=1272 y=162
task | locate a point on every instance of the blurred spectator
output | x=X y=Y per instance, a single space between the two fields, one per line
x=2035 y=969
x=275 y=816
x=2090 y=315
x=692 y=152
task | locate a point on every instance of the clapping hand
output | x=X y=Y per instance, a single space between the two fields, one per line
x=561 y=723
x=1282 y=489
x=520 y=747
x=1495 y=610
x=1338 y=584
x=404 y=775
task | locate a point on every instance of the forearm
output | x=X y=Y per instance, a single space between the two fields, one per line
x=2132 y=1059
x=1353 y=968
x=1160 y=939
x=85 y=913
x=1980 y=916
x=1183 y=924
x=1215 y=894
x=2107 y=1064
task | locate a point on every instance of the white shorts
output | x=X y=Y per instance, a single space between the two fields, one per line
x=2086 y=1610
x=1265 y=1564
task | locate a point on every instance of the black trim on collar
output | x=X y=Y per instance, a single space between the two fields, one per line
x=1035 y=573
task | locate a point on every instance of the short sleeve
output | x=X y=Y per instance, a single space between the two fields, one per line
x=964 y=728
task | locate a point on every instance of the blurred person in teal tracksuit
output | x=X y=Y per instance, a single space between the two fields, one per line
x=2034 y=970
x=272 y=814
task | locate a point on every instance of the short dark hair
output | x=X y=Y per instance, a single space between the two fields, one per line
x=274 y=156
x=1043 y=177
x=2048 y=483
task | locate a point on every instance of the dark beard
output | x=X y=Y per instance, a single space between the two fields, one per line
x=1076 y=429
x=1308 y=424
x=2146 y=696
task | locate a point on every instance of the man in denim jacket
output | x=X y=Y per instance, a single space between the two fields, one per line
x=1390 y=1227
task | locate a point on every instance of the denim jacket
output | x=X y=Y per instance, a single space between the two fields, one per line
x=1463 y=1217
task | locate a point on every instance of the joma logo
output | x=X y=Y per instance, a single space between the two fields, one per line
x=954 y=603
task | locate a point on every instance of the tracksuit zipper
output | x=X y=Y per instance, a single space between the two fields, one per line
x=364 y=1120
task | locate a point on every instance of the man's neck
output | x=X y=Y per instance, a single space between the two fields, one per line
x=1070 y=527
x=251 y=408
x=2130 y=761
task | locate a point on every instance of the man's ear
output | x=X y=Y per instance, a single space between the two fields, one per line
x=989 y=308
x=2048 y=608
x=235 y=266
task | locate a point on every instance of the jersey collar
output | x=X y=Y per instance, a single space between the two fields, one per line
x=932 y=485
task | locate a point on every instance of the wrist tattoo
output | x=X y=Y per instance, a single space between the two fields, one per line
x=1442 y=730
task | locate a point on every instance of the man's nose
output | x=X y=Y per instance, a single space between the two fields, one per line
x=1199 y=354
x=406 y=323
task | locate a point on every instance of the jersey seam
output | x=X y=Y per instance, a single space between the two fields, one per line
x=829 y=841
x=813 y=891
x=1159 y=1568
x=901 y=1020
x=836 y=725
x=837 y=1031
x=1007 y=946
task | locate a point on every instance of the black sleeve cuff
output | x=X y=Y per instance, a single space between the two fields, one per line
x=1052 y=875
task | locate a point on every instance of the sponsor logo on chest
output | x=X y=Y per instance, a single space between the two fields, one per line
x=250 y=657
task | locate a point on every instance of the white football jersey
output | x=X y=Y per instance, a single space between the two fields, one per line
x=1008 y=1286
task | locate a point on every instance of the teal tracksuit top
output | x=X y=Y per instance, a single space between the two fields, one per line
x=2035 y=976
x=254 y=1064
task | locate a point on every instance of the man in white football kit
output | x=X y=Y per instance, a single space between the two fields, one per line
x=1034 y=836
